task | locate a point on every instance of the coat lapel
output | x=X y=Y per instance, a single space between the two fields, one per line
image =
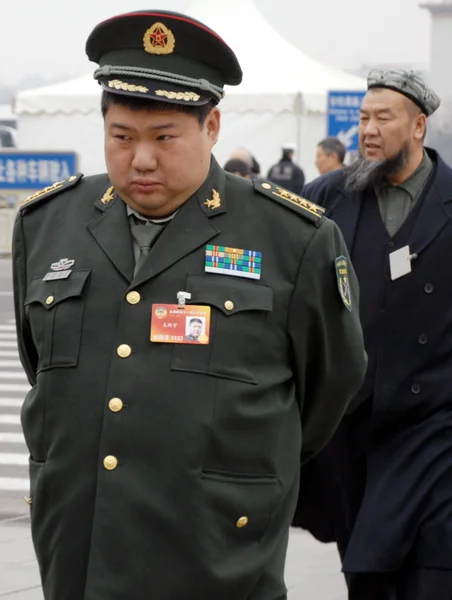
x=112 y=232
x=345 y=213
x=191 y=228
x=433 y=215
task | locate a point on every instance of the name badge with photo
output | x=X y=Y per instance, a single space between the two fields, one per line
x=180 y=324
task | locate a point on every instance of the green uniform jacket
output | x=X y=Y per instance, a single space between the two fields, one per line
x=184 y=486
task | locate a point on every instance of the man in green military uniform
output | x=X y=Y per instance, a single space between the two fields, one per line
x=161 y=467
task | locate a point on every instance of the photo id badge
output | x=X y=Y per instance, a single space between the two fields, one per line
x=400 y=262
x=180 y=324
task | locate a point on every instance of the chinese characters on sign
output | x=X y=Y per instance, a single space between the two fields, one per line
x=31 y=170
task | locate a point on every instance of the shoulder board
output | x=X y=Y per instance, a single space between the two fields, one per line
x=307 y=209
x=51 y=191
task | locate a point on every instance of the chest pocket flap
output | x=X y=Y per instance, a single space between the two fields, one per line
x=51 y=293
x=239 y=313
x=229 y=295
x=55 y=312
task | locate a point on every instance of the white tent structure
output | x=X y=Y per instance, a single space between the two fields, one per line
x=282 y=98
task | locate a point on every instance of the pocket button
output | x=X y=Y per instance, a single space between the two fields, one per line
x=229 y=305
x=50 y=300
x=242 y=522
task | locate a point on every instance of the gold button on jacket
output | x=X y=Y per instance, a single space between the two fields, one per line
x=110 y=463
x=229 y=305
x=242 y=522
x=50 y=299
x=133 y=297
x=115 y=405
x=124 y=350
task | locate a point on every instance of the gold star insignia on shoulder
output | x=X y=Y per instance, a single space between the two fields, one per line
x=108 y=196
x=215 y=202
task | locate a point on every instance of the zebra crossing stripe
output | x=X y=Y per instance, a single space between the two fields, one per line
x=13 y=459
x=11 y=438
x=13 y=375
x=7 y=328
x=10 y=363
x=11 y=402
x=7 y=336
x=8 y=344
x=14 y=387
x=9 y=354
x=9 y=420
x=14 y=484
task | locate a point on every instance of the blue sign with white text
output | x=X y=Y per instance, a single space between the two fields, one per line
x=35 y=170
x=343 y=117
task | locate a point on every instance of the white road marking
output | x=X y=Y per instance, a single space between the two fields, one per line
x=14 y=484
x=12 y=375
x=11 y=438
x=15 y=459
x=14 y=387
x=11 y=402
x=9 y=420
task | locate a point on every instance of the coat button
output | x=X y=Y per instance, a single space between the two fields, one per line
x=50 y=299
x=391 y=244
x=266 y=186
x=415 y=388
x=428 y=288
x=124 y=350
x=229 y=305
x=422 y=339
x=133 y=297
x=110 y=463
x=28 y=500
x=242 y=522
x=116 y=405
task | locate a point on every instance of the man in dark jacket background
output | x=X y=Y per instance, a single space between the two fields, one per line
x=384 y=483
x=286 y=173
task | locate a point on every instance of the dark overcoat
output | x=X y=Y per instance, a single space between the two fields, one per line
x=171 y=471
x=398 y=506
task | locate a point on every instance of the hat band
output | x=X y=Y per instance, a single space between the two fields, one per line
x=199 y=84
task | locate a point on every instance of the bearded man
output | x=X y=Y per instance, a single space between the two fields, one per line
x=388 y=470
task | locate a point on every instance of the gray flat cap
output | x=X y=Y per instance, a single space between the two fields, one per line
x=407 y=83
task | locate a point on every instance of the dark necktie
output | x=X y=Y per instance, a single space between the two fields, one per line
x=145 y=234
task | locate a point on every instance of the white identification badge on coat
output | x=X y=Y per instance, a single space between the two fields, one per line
x=400 y=262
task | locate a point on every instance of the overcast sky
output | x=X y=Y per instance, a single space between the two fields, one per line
x=47 y=37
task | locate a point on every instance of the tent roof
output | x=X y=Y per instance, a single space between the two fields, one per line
x=277 y=75
x=76 y=95
x=275 y=71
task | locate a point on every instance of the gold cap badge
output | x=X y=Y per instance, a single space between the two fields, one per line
x=158 y=39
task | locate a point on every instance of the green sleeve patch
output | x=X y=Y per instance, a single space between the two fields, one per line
x=51 y=191
x=343 y=282
x=312 y=212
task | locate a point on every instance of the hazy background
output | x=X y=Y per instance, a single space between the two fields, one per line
x=44 y=40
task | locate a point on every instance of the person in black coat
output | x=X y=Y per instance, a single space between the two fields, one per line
x=286 y=173
x=382 y=488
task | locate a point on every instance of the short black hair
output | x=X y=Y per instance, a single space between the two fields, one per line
x=333 y=145
x=133 y=103
x=195 y=320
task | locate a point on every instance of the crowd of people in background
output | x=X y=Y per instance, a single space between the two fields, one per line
x=330 y=156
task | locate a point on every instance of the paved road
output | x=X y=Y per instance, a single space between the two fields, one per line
x=312 y=571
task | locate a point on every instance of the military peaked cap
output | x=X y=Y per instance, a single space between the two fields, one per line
x=163 y=56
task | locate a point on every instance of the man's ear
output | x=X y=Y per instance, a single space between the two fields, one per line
x=212 y=125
